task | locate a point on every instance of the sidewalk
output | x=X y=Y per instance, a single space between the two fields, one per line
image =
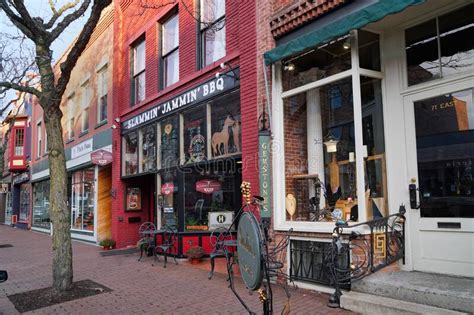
x=138 y=287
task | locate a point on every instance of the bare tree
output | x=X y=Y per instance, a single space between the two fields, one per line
x=42 y=34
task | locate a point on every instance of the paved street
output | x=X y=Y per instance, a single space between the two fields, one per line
x=138 y=287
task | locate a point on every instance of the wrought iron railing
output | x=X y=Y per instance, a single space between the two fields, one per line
x=383 y=245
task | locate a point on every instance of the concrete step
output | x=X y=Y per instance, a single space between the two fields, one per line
x=370 y=304
x=442 y=291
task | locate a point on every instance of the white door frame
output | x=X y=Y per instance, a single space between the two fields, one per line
x=417 y=225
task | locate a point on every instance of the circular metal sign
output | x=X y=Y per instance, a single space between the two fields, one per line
x=249 y=242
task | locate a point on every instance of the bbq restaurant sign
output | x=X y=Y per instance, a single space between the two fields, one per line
x=249 y=242
x=200 y=93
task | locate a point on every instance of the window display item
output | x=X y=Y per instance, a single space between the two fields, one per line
x=220 y=140
x=290 y=205
x=134 y=200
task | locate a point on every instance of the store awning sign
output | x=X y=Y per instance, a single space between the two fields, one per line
x=167 y=188
x=101 y=157
x=208 y=186
x=193 y=96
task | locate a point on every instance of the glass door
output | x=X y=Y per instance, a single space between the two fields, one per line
x=440 y=153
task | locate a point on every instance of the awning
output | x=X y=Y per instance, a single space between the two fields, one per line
x=342 y=26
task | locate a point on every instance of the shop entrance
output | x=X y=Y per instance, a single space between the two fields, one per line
x=440 y=158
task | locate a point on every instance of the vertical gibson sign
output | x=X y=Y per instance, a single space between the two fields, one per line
x=264 y=165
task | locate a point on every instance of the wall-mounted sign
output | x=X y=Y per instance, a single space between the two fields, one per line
x=23 y=177
x=193 y=96
x=220 y=219
x=133 y=199
x=249 y=242
x=265 y=175
x=82 y=148
x=208 y=186
x=101 y=157
x=167 y=188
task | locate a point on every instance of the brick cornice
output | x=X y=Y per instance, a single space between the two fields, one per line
x=300 y=13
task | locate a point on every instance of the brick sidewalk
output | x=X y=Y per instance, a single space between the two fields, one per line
x=137 y=287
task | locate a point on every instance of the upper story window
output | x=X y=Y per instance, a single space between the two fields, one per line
x=440 y=47
x=170 y=50
x=85 y=101
x=70 y=119
x=19 y=141
x=102 y=95
x=212 y=30
x=138 y=73
x=39 y=135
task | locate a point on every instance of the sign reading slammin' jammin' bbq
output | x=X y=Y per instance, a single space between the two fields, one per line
x=193 y=96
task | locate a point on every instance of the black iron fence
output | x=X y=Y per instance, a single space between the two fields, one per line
x=381 y=246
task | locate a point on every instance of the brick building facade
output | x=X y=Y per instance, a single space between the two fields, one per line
x=198 y=118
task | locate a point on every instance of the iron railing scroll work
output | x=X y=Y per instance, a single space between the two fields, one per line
x=383 y=245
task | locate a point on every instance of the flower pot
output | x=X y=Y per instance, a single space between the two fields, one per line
x=195 y=261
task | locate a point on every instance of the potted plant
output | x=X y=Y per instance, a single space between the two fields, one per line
x=195 y=253
x=107 y=243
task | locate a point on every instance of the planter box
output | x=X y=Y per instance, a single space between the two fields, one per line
x=197 y=227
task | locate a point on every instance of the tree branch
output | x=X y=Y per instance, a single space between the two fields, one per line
x=17 y=20
x=58 y=13
x=21 y=88
x=68 y=19
x=80 y=44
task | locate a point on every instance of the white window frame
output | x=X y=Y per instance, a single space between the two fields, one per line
x=85 y=106
x=166 y=54
x=205 y=26
x=137 y=72
x=278 y=156
x=102 y=91
x=70 y=119
x=39 y=138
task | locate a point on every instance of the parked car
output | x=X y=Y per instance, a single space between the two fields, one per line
x=3 y=276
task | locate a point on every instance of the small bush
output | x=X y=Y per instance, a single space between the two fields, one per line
x=108 y=242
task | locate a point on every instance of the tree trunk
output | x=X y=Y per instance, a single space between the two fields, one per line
x=60 y=214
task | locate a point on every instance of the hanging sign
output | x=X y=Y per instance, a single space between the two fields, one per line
x=200 y=93
x=249 y=242
x=167 y=188
x=264 y=175
x=101 y=157
x=208 y=186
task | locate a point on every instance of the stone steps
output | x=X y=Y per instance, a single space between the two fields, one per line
x=410 y=293
x=370 y=304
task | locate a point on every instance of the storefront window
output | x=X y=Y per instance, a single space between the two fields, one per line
x=211 y=188
x=24 y=202
x=83 y=201
x=324 y=143
x=319 y=140
x=440 y=47
x=41 y=204
x=148 y=148
x=169 y=146
x=225 y=121
x=130 y=156
x=317 y=64
x=168 y=199
x=195 y=143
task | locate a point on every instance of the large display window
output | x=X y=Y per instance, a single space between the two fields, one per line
x=211 y=188
x=41 y=204
x=331 y=112
x=83 y=199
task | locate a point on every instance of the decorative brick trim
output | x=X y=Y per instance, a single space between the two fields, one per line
x=300 y=13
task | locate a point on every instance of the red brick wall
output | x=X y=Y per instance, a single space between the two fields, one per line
x=132 y=21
